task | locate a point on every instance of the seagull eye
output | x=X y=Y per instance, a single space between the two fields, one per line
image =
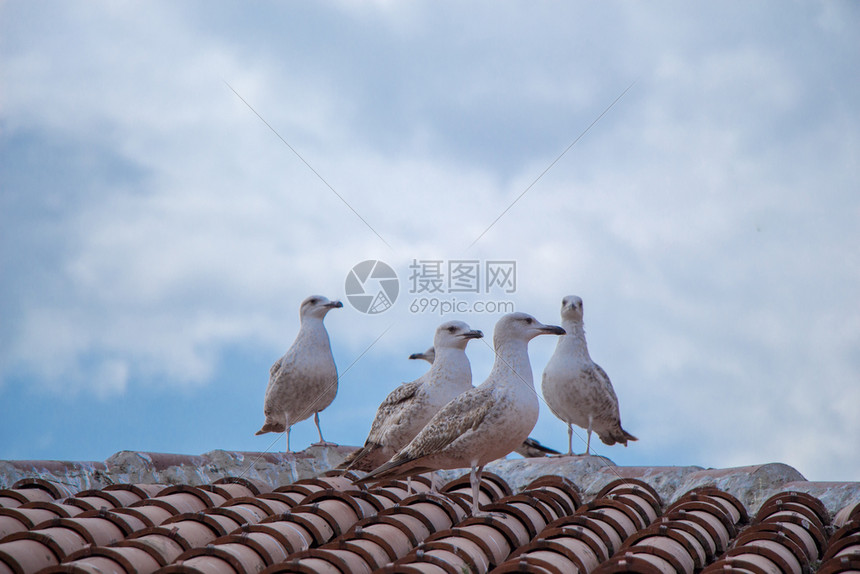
x=452 y=329
x=529 y=321
x=313 y=301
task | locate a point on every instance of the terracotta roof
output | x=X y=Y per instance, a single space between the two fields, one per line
x=550 y=515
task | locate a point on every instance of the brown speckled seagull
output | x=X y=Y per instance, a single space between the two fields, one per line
x=530 y=448
x=409 y=407
x=576 y=389
x=304 y=381
x=484 y=423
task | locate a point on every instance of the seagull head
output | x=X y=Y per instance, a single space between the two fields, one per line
x=522 y=327
x=571 y=308
x=429 y=355
x=317 y=306
x=454 y=334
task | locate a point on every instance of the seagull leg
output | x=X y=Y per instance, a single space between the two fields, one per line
x=588 y=441
x=291 y=459
x=569 y=439
x=322 y=441
x=475 y=479
x=319 y=430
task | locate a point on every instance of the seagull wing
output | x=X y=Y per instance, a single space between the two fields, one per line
x=460 y=417
x=599 y=374
x=393 y=404
x=273 y=372
x=390 y=407
x=611 y=413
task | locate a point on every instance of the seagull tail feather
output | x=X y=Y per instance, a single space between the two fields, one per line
x=617 y=436
x=532 y=443
x=361 y=458
x=271 y=427
x=396 y=468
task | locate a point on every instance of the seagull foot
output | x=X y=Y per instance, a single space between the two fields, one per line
x=482 y=514
x=325 y=443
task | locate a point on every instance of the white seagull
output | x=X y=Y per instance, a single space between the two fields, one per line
x=576 y=389
x=484 y=423
x=530 y=448
x=409 y=407
x=304 y=381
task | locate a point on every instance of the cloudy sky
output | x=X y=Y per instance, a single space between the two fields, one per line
x=177 y=177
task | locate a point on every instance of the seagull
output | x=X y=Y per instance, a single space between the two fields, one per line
x=409 y=407
x=530 y=448
x=576 y=389
x=304 y=380
x=483 y=423
x=429 y=355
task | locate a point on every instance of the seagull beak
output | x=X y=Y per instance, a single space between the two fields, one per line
x=334 y=304
x=552 y=330
x=472 y=334
x=416 y=356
